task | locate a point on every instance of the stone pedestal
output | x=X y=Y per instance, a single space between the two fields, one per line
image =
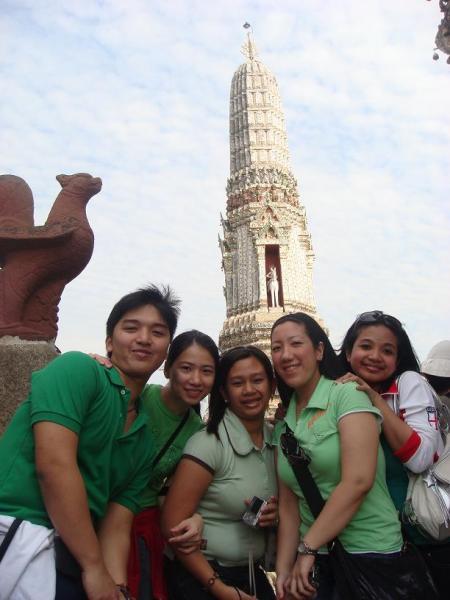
x=18 y=359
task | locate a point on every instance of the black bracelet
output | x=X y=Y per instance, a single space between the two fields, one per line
x=124 y=590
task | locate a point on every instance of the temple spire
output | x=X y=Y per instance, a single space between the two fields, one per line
x=249 y=49
x=267 y=254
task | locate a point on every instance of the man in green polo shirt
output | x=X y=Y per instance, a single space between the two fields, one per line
x=76 y=457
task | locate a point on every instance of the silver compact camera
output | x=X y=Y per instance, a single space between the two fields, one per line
x=252 y=514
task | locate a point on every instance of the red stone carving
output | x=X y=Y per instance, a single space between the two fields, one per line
x=37 y=262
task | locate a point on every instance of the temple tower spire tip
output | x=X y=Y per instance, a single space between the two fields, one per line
x=249 y=49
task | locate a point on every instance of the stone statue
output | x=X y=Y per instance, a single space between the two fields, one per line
x=273 y=286
x=37 y=262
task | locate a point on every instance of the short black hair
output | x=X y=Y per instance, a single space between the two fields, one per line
x=406 y=357
x=217 y=404
x=163 y=299
x=328 y=366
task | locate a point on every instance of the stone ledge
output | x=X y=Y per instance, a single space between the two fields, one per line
x=18 y=359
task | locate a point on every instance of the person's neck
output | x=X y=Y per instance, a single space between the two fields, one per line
x=172 y=402
x=304 y=393
x=134 y=385
x=255 y=429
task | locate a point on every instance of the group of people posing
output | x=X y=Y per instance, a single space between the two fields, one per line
x=112 y=488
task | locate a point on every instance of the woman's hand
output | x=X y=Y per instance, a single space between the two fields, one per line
x=362 y=386
x=187 y=535
x=103 y=360
x=282 y=585
x=299 y=585
x=269 y=514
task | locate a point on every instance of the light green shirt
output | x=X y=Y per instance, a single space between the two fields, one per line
x=78 y=393
x=241 y=470
x=161 y=424
x=375 y=527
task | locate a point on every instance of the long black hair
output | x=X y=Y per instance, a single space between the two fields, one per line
x=406 y=357
x=328 y=366
x=183 y=341
x=217 y=403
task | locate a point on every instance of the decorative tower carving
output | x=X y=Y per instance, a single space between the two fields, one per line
x=267 y=255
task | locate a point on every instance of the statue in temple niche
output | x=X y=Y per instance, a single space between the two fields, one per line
x=37 y=262
x=273 y=286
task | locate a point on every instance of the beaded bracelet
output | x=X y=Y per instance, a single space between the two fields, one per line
x=212 y=580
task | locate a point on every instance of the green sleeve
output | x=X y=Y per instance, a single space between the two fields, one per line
x=206 y=448
x=131 y=496
x=350 y=400
x=62 y=392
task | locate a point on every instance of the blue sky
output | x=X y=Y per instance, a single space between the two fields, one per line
x=137 y=93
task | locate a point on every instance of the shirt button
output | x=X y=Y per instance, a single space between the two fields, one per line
x=122 y=391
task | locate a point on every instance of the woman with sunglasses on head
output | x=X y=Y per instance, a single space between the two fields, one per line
x=379 y=356
x=338 y=430
x=173 y=412
x=222 y=468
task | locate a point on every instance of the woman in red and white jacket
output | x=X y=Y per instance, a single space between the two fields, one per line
x=379 y=356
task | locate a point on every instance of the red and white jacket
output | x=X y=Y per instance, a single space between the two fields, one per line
x=411 y=398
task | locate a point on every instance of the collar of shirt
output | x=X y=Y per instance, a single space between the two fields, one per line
x=319 y=400
x=239 y=437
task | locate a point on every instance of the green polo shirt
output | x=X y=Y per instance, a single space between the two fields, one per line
x=161 y=424
x=241 y=470
x=375 y=527
x=76 y=392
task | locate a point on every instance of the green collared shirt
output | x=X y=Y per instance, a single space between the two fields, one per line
x=76 y=392
x=375 y=527
x=161 y=424
x=241 y=470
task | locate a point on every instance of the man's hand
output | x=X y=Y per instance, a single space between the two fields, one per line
x=98 y=584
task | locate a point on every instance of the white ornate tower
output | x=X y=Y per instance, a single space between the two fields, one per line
x=266 y=248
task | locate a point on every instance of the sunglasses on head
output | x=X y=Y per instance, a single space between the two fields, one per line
x=377 y=316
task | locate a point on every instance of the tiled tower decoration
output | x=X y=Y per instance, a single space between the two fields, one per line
x=267 y=255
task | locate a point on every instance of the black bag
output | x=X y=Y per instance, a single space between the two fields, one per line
x=362 y=577
x=65 y=562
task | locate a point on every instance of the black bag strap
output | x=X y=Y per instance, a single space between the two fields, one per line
x=9 y=537
x=299 y=461
x=171 y=439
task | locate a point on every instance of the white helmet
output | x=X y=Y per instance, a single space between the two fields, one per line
x=438 y=360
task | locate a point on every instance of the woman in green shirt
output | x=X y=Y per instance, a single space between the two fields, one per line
x=338 y=428
x=222 y=468
x=190 y=368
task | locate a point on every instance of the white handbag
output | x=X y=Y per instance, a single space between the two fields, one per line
x=427 y=504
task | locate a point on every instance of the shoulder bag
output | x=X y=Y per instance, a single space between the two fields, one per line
x=427 y=503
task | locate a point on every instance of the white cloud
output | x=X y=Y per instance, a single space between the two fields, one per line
x=137 y=93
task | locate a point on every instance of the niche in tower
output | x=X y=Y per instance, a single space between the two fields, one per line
x=273 y=261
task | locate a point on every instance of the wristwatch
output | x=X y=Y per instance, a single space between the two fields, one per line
x=303 y=548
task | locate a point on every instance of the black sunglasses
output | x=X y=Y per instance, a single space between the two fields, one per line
x=378 y=316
